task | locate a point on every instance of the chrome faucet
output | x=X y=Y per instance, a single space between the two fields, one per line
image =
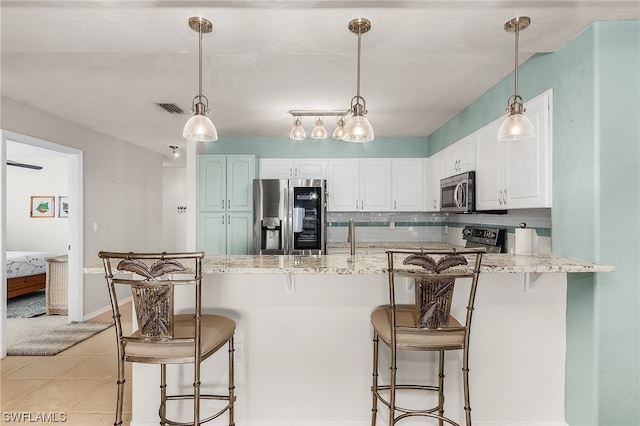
x=351 y=237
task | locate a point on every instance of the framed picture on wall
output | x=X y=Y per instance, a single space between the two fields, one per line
x=63 y=206
x=42 y=206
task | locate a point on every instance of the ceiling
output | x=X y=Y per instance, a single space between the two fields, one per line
x=105 y=64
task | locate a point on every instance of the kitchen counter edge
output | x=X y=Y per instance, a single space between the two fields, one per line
x=372 y=264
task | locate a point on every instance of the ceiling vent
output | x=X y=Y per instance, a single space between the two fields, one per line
x=170 y=108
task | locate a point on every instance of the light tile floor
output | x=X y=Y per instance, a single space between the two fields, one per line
x=77 y=387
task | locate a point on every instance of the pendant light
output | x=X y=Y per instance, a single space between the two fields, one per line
x=319 y=132
x=200 y=128
x=297 y=133
x=517 y=126
x=338 y=132
x=358 y=128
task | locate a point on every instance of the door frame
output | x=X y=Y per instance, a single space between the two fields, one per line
x=75 y=228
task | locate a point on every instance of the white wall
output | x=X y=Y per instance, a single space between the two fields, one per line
x=25 y=233
x=174 y=220
x=122 y=189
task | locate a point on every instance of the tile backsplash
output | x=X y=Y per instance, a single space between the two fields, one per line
x=429 y=227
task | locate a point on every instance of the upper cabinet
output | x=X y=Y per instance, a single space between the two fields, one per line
x=225 y=198
x=407 y=183
x=460 y=157
x=434 y=172
x=375 y=184
x=289 y=168
x=359 y=184
x=226 y=182
x=515 y=175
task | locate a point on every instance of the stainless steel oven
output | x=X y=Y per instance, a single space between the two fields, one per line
x=457 y=193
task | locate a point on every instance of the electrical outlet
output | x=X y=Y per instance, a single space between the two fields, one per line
x=238 y=352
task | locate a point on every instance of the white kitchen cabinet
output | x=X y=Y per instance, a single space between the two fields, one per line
x=434 y=173
x=225 y=201
x=375 y=185
x=407 y=183
x=359 y=184
x=516 y=175
x=461 y=156
x=290 y=168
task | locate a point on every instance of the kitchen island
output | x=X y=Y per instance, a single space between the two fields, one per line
x=303 y=340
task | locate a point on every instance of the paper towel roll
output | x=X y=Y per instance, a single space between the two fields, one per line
x=526 y=241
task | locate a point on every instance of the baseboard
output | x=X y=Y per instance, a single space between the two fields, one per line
x=549 y=423
x=105 y=309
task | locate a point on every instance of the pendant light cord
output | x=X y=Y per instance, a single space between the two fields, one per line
x=515 y=89
x=358 y=76
x=200 y=61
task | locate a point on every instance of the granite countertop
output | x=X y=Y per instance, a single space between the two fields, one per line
x=376 y=264
x=367 y=264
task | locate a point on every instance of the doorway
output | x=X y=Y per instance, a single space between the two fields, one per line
x=75 y=220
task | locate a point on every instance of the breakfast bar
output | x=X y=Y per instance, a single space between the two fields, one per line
x=303 y=339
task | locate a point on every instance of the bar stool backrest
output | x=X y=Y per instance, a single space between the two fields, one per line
x=155 y=275
x=434 y=274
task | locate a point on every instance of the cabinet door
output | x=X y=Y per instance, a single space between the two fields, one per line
x=276 y=168
x=212 y=232
x=461 y=156
x=342 y=185
x=375 y=185
x=467 y=154
x=515 y=175
x=310 y=169
x=528 y=165
x=435 y=172
x=240 y=175
x=407 y=184
x=239 y=233
x=489 y=168
x=212 y=183
x=450 y=155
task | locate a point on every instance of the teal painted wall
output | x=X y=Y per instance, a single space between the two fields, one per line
x=617 y=130
x=328 y=148
x=596 y=214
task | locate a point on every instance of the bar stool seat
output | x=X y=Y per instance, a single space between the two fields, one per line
x=381 y=321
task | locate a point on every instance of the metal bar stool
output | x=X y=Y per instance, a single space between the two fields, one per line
x=425 y=325
x=163 y=336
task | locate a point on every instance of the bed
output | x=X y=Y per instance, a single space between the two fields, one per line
x=26 y=272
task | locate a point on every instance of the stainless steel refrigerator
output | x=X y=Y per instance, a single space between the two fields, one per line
x=289 y=216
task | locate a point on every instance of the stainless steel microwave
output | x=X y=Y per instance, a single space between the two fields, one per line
x=457 y=193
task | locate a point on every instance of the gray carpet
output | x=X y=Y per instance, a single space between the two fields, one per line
x=27 y=306
x=47 y=335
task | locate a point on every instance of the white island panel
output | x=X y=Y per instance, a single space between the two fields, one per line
x=307 y=353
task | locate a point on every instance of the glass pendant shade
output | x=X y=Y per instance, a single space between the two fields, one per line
x=358 y=129
x=319 y=132
x=516 y=127
x=338 y=132
x=298 y=133
x=200 y=128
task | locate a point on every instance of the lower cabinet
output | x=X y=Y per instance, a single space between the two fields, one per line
x=226 y=232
